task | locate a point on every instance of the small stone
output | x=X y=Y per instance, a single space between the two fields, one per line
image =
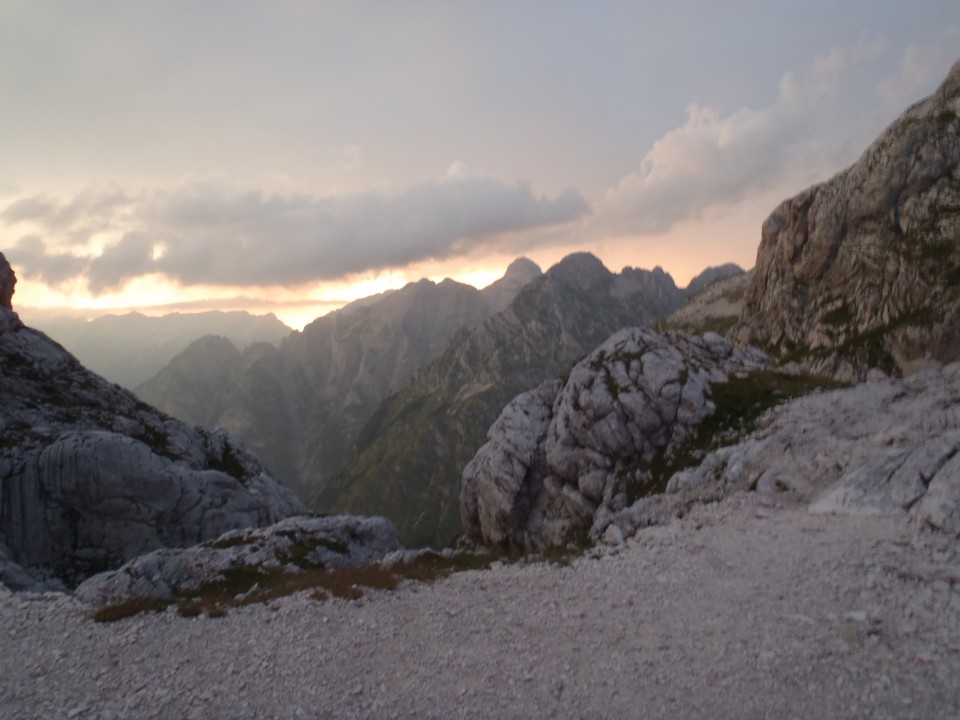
x=613 y=536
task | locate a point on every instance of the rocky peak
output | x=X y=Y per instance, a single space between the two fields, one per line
x=710 y=275
x=864 y=269
x=522 y=269
x=581 y=270
x=502 y=292
x=8 y=280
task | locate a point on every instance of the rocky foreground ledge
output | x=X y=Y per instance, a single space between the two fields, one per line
x=750 y=608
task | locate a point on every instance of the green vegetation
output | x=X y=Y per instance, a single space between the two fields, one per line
x=250 y=584
x=945 y=117
x=129 y=608
x=839 y=316
x=735 y=295
x=225 y=543
x=739 y=404
x=228 y=463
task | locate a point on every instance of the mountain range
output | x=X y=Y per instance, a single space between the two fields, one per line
x=129 y=349
x=312 y=407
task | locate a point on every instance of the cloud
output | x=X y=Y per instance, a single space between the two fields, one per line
x=718 y=158
x=89 y=208
x=205 y=233
x=31 y=257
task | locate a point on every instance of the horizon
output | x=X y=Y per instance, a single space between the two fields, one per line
x=40 y=315
x=289 y=159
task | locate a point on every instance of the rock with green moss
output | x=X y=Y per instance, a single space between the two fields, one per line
x=562 y=458
x=885 y=447
x=241 y=559
x=863 y=270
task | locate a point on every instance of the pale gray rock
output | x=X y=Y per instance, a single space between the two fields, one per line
x=888 y=447
x=864 y=269
x=501 y=503
x=559 y=459
x=91 y=477
x=291 y=545
x=940 y=506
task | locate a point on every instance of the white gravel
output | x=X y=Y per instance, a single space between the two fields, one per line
x=742 y=610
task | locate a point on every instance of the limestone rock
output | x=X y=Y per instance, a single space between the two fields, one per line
x=91 y=477
x=886 y=447
x=864 y=269
x=291 y=545
x=561 y=459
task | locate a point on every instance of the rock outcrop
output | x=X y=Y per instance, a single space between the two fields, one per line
x=289 y=546
x=887 y=446
x=716 y=307
x=501 y=293
x=563 y=458
x=91 y=477
x=408 y=459
x=8 y=281
x=864 y=270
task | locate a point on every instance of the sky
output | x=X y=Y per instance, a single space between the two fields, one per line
x=289 y=156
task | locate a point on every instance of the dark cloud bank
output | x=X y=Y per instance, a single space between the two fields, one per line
x=208 y=234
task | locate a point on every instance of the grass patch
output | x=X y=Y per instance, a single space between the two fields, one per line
x=227 y=543
x=129 y=608
x=839 y=316
x=247 y=585
x=739 y=404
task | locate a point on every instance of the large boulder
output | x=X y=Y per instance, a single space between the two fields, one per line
x=864 y=269
x=289 y=546
x=562 y=459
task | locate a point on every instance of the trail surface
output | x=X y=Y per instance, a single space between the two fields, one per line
x=740 y=610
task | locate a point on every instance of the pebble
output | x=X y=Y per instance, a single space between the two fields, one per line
x=652 y=627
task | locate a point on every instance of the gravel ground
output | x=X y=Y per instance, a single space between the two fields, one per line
x=740 y=610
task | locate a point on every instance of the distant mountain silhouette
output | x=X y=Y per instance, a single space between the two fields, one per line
x=300 y=406
x=129 y=349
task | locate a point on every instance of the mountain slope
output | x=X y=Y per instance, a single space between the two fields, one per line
x=864 y=269
x=300 y=406
x=407 y=461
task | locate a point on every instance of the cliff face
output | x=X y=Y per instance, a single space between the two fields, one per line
x=407 y=461
x=864 y=270
x=91 y=477
x=300 y=406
